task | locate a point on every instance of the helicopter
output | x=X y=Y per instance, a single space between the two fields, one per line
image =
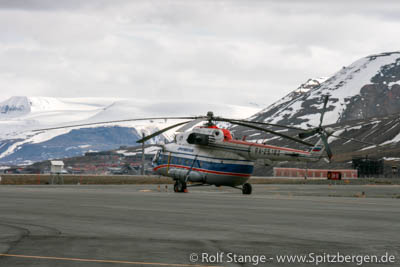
x=209 y=155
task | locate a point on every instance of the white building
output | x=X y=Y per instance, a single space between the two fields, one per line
x=57 y=166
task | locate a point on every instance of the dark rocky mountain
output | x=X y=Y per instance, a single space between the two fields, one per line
x=366 y=91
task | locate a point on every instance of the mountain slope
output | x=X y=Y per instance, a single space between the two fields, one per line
x=19 y=116
x=74 y=143
x=367 y=89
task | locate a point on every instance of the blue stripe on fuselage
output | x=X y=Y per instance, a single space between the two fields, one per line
x=207 y=157
x=207 y=165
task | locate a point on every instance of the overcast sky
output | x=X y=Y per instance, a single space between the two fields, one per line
x=234 y=52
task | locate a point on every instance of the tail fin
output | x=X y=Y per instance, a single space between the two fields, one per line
x=318 y=149
x=322 y=144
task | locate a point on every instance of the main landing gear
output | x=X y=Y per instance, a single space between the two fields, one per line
x=246 y=189
x=180 y=187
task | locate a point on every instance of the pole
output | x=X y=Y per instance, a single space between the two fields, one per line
x=142 y=155
x=306 y=175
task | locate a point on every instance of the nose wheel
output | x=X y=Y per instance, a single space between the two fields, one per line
x=246 y=189
x=180 y=186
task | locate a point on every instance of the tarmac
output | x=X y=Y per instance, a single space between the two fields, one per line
x=143 y=225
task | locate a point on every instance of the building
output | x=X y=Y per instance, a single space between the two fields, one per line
x=56 y=167
x=368 y=167
x=312 y=173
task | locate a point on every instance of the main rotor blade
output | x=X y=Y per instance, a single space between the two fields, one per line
x=308 y=133
x=355 y=140
x=323 y=110
x=272 y=132
x=106 y=122
x=357 y=125
x=366 y=123
x=190 y=125
x=262 y=123
x=148 y=137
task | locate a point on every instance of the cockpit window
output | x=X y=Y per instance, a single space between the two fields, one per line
x=158 y=157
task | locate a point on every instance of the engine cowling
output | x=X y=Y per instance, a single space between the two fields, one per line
x=198 y=139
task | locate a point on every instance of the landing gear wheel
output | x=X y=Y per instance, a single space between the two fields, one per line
x=246 y=189
x=179 y=186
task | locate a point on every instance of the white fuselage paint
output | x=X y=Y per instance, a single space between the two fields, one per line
x=223 y=161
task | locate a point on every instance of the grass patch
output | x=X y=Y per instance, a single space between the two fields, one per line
x=42 y=179
x=360 y=181
x=31 y=179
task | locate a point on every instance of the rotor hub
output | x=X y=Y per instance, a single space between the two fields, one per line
x=210 y=118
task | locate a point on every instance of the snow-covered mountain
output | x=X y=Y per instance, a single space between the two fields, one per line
x=310 y=84
x=15 y=106
x=20 y=115
x=369 y=88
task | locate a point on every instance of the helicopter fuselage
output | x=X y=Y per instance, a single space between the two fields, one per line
x=210 y=155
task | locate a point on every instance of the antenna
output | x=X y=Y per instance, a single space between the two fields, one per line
x=142 y=155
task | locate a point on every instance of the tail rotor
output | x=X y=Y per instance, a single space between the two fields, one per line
x=321 y=131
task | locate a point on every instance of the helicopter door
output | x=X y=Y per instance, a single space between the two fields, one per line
x=157 y=158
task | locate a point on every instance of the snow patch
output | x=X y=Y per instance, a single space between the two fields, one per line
x=394 y=140
x=391 y=158
x=390 y=85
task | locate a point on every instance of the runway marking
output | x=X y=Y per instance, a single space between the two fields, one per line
x=279 y=196
x=106 y=261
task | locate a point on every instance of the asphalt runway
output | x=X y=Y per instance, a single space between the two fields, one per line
x=135 y=225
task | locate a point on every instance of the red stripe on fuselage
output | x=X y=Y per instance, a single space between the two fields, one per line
x=266 y=146
x=201 y=170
